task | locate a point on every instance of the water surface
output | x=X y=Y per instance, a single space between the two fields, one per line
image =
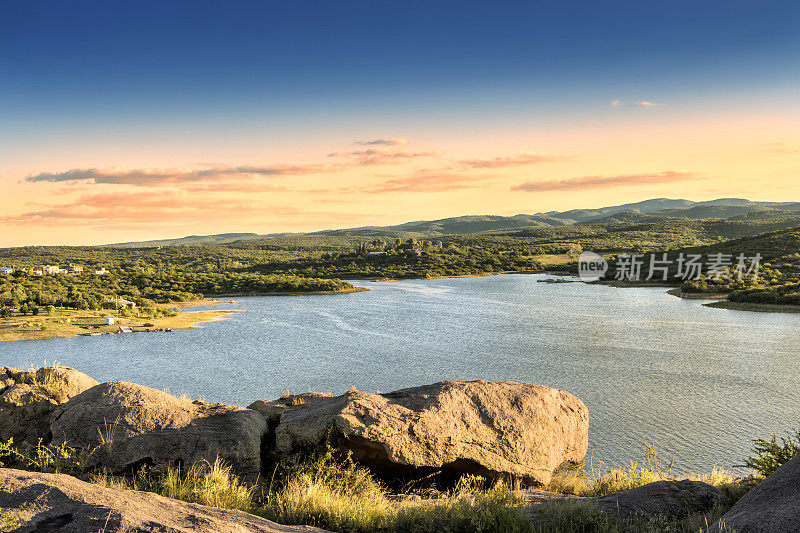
x=697 y=382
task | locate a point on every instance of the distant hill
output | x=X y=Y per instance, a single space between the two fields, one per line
x=221 y=238
x=653 y=210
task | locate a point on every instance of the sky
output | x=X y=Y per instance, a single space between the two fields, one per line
x=124 y=121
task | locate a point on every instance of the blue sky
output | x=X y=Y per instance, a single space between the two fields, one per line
x=62 y=57
x=166 y=85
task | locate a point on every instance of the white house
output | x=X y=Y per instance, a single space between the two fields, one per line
x=6 y=270
x=123 y=302
x=101 y=271
x=109 y=320
x=52 y=269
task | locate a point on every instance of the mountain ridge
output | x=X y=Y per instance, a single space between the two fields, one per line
x=651 y=210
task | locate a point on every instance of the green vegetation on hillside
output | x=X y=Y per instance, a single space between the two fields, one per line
x=317 y=263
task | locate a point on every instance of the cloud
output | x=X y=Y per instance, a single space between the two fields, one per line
x=598 y=182
x=141 y=209
x=642 y=103
x=523 y=158
x=383 y=142
x=426 y=181
x=784 y=147
x=382 y=156
x=147 y=177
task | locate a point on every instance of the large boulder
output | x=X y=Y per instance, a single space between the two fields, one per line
x=493 y=429
x=668 y=499
x=129 y=426
x=31 y=502
x=772 y=506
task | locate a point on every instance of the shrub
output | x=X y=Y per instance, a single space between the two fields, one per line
x=207 y=484
x=331 y=492
x=768 y=455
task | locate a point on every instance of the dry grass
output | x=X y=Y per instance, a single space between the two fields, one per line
x=572 y=479
x=30 y=327
x=46 y=378
x=330 y=491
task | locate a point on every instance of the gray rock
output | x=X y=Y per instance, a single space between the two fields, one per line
x=33 y=502
x=129 y=426
x=668 y=499
x=25 y=407
x=517 y=429
x=25 y=414
x=772 y=506
x=67 y=382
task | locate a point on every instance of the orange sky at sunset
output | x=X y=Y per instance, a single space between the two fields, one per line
x=88 y=196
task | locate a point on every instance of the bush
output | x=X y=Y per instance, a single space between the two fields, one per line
x=768 y=455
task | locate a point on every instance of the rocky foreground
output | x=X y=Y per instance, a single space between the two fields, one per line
x=33 y=502
x=498 y=430
x=493 y=429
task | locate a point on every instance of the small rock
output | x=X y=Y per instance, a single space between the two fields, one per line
x=68 y=381
x=668 y=499
x=25 y=414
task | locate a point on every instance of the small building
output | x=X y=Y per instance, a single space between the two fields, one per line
x=122 y=302
x=52 y=269
x=76 y=269
x=109 y=321
x=125 y=329
x=6 y=270
x=101 y=271
x=376 y=253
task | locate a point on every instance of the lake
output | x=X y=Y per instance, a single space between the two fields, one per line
x=698 y=382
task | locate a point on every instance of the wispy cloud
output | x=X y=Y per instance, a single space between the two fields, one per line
x=641 y=103
x=174 y=208
x=384 y=142
x=148 y=177
x=382 y=156
x=427 y=181
x=599 y=182
x=784 y=147
x=523 y=158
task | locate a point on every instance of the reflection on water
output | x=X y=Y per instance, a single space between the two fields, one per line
x=697 y=382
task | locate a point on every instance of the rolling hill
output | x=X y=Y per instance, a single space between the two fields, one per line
x=781 y=214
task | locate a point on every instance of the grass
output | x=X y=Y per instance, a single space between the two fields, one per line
x=47 y=378
x=331 y=491
x=572 y=479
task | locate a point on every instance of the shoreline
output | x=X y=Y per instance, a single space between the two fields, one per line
x=61 y=326
x=375 y=279
x=53 y=327
x=277 y=293
x=753 y=307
